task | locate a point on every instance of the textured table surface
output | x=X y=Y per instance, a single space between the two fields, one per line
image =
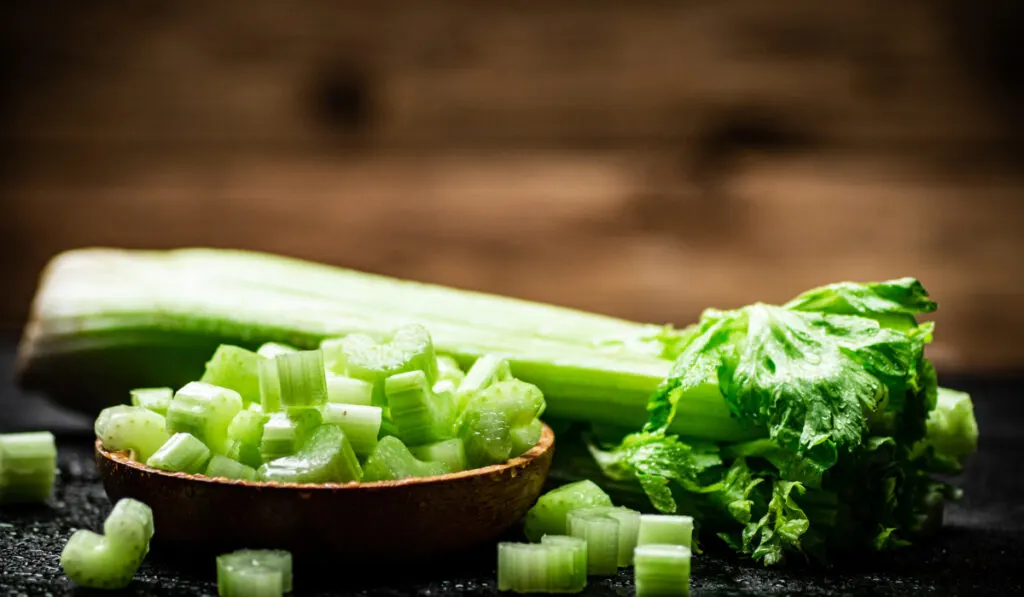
x=980 y=551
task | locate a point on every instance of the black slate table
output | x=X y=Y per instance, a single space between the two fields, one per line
x=979 y=552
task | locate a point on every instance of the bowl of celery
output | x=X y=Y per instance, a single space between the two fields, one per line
x=364 y=447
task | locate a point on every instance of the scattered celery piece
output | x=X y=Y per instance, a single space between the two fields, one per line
x=205 y=411
x=222 y=466
x=540 y=568
x=602 y=536
x=629 y=526
x=274 y=560
x=327 y=457
x=665 y=529
x=110 y=561
x=548 y=516
x=28 y=466
x=182 y=453
x=450 y=452
x=154 y=399
x=133 y=428
x=235 y=368
x=577 y=549
x=360 y=423
x=662 y=570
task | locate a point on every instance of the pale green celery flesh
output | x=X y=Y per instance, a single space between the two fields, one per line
x=28 y=466
x=549 y=515
x=589 y=367
x=662 y=570
x=665 y=529
x=270 y=559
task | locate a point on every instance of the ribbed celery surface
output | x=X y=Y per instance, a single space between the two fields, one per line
x=105 y=321
x=28 y=465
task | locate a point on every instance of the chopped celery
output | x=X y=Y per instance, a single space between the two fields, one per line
x=665 y=529
x=420 y=415
x=629 y=526
x=131 y=428
x=487 y=436
x=235 y=368
x=270 y=385
x=248 y=581
x=284 y=433
x=602 y=536
x=450 y=452
x=392 y=460
x=521 y=402
x=327 y=457
x=222 y=466
x=525 y=437
x=205 y=411
x=361 y=424
x=154 y=399
x=486 y=370
x=244 y=436
x=548 y=516
x=448 y=370
x=662 y=570
x=270 y=350
x=302 y=379
x=267 y=559
x=183 y=453
x=28 y=465
x=577 y=549
x=408 y=348
x=96 y=561
x=541 y=568
x=347 y=390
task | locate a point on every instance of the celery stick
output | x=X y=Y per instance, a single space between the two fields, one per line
x=110 y=561
x=276 y=560
x=326 y=457
x=235 y=368
x=662 y=570
x=133 y=428
x=548 y=515
x=270 y=350
x=28 y=466
x=629 y=526
x=154 y=399
x=420 y=415
x=391 y=460
x=285 y=433
x=450 y=452
x=205 y=411
x=665 y=529
x=487 y=370
x=248 y=581
x=346 y=390
x=577 y=551
x=302 y=379
x=407 y=348
x=245 y=433
x=182 y=453
x=270 y=385
x=361 y=424
x=222 y=466
x=602 y=536
x=129 y=525
x=524 y=568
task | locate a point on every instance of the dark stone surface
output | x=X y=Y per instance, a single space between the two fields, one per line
x=978 y=553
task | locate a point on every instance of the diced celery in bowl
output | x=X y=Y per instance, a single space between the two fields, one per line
x=309 y=446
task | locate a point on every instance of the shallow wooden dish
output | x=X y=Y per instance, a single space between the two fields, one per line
x=421 y=517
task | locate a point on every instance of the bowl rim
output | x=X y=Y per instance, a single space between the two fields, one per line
x=543 y=446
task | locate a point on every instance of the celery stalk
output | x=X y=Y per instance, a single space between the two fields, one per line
x=111 y=320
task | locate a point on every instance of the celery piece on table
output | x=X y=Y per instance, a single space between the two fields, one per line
x=28 y=466
x=549 y=515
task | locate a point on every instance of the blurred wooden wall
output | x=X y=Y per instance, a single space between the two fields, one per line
x=643 y=159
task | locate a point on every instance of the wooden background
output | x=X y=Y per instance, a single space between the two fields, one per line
x=644 y=159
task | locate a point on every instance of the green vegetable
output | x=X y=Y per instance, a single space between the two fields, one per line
x=408 y=348
x=235 y=368
x=392 y=460
x=222 y=466
x=270 y=350
x=110 y=561
x=327 y=457
x=28 y=466
x=838 y=381
x=548 y=516
x=361 y=424
x=154 y=399
x=182 y=453
x=242 y=573
x=448 y=370
x=205 y=411
x=577 y=580
x=450 y=452
x=133 y=428
x=487 y=436
x=525 y=437
x=245 y=434
x=346 y=390
x=284 y=433
x=665 y=529
x=487 y=370
x=601 y=533
x=270 y=385
x=662 y=570
x=302 y=379
x=551 y=567
x=420 y=415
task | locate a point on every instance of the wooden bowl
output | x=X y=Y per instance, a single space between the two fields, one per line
x=415 y=518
